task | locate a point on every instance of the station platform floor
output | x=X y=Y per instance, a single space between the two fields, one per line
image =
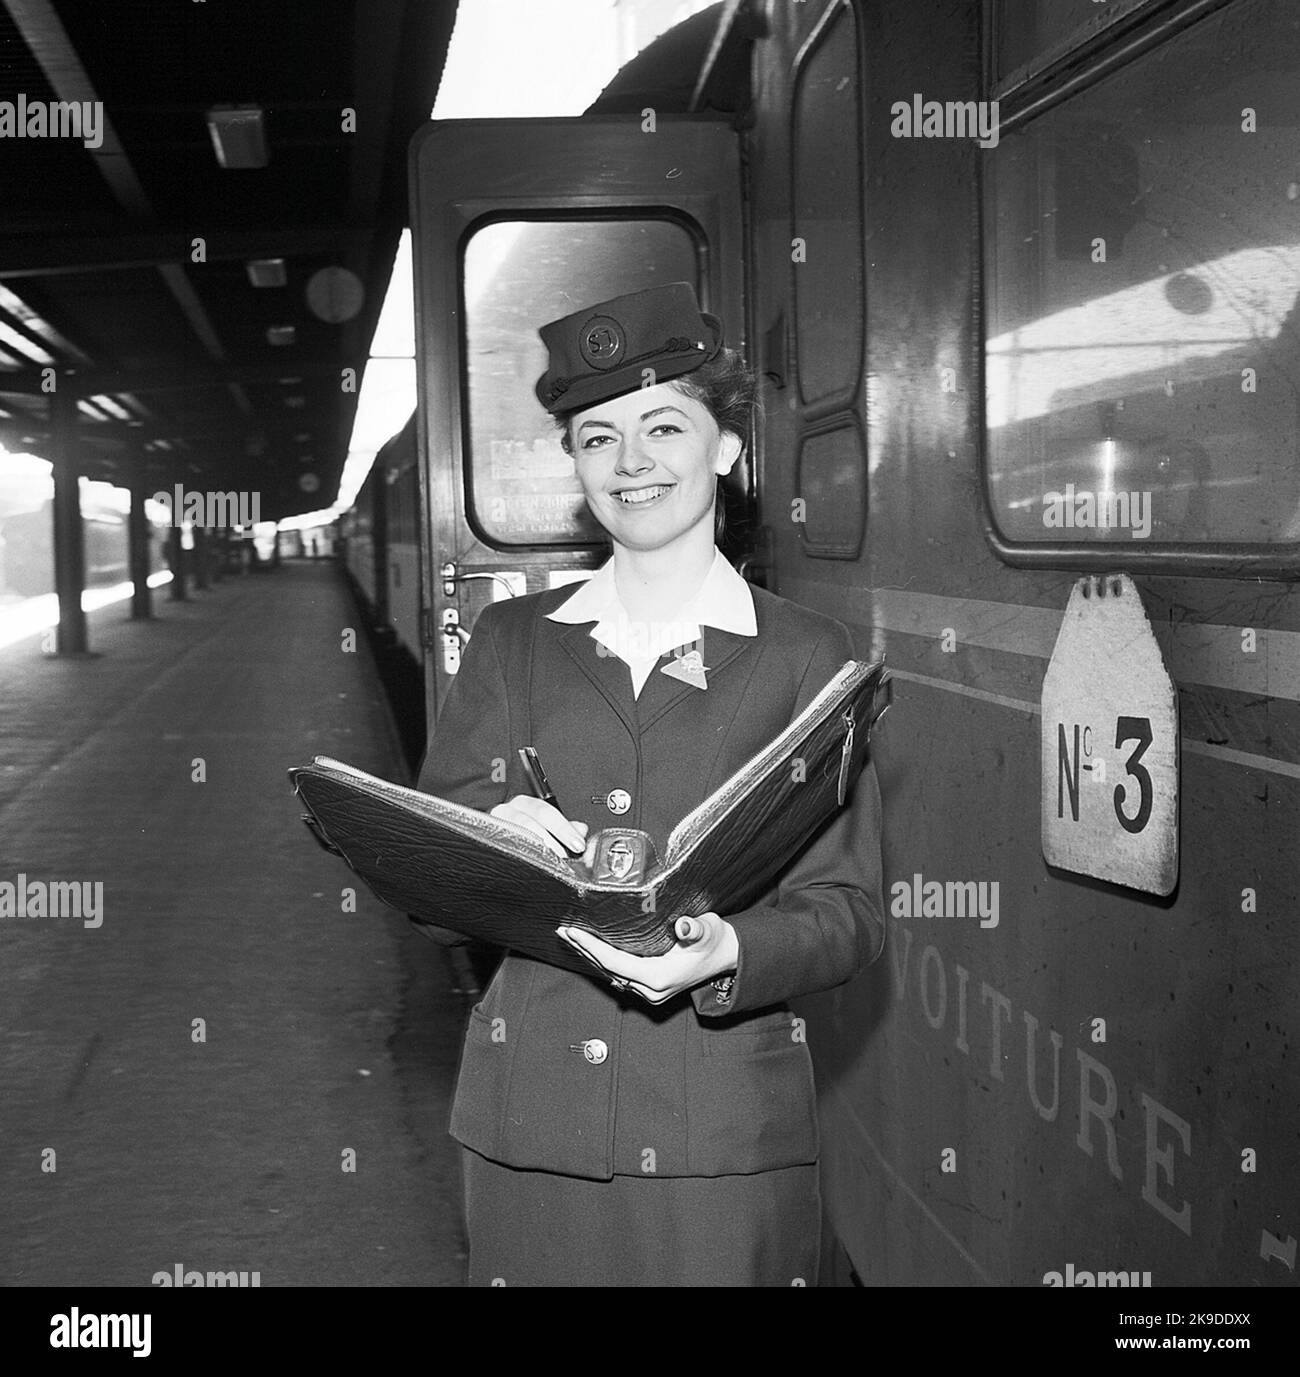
x=128 y=1146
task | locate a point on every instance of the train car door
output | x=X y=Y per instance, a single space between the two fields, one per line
x=517 y=222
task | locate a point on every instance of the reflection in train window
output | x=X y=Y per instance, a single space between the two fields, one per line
x=1143 y=272
x=518 y=275
x=826 y=198
x=1024 y=31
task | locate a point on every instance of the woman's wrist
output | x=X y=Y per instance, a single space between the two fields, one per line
x=727 y=956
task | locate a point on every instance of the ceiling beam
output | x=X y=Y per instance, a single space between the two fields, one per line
x=279 y=440
x=54 y=255
x=15 y=312
x=44 y=34
x=180 y=377
x=192 y=309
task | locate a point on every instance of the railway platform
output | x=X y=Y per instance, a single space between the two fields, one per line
x=215 y=1068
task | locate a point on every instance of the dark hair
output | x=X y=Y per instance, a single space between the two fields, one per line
x=724 y=386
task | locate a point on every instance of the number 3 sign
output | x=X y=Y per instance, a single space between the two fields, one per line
x=1110 y=743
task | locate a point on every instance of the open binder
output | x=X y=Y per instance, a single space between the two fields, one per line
x=491 y=880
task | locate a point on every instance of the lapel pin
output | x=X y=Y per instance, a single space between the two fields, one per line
x=689 y=668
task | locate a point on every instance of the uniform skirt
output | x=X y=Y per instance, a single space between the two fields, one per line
x=536 y=1228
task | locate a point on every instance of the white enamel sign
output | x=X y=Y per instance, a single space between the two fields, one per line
x=1110 y=743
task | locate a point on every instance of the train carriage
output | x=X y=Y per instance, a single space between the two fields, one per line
x=1021 y=282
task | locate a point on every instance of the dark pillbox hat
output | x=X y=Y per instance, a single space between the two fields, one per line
x=602 y=351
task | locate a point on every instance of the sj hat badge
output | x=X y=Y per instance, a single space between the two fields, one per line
x=607 y=349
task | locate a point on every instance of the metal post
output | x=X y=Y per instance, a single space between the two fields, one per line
x=177 y=560
x=69 y=535
x=138 y=546
x=200 y=558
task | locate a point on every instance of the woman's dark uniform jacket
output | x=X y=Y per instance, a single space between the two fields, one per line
x=696 y=1086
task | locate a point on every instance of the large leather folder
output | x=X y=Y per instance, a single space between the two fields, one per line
x=492 y=880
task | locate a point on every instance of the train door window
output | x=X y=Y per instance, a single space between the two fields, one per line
x=826 y=196
x=1143 y=287
x=520 y=484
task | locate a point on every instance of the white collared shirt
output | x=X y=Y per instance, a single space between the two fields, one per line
x=722 y=601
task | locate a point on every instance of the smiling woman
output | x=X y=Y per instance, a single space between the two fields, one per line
x=652 y=1123
x=649 y=463
x=719 y=397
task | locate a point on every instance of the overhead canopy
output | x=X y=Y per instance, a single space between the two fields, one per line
x=124 y=266
x=700 y=65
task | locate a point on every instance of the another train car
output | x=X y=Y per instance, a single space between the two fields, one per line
x=380 y=543
x=27 y=537
x=356 y=544
x=379 y=547
x=1022 y=284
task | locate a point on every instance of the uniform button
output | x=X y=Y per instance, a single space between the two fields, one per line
x=618 y=800
x=595 y=1051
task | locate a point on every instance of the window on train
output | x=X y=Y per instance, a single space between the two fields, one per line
x=403 y=505
x=1143 y=274
x=826 y=252
x=831 y=480
x=518 y=275
x=1027 y=31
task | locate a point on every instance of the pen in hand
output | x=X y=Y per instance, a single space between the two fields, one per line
x=540 y=785
x=537 y=781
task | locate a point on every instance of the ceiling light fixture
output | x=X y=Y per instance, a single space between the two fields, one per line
x=112 y=408
x=282 y=334
x=266 y=272
x=238 y=135
x=23 y=348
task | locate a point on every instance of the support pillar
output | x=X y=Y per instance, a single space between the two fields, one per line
x=177 y=560
x=69 y=534
x=200 y=558
x=138 y=536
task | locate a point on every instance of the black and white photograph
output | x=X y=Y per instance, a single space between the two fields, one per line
x=649 y=644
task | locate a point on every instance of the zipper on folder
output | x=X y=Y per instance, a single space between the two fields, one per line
x=846 y=756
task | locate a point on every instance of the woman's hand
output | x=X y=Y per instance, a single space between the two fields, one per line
x=547 y=823
x=706 y=947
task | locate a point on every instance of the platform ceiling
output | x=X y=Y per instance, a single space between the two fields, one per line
x=100 y=277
